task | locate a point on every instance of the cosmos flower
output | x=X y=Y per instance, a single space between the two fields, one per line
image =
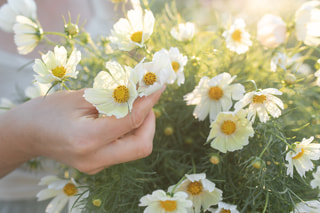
x=160 y=202
x=224 y=208
x=230 y=131
x=237 y=38
x=183 y=32
x=37 y=89
x=261 y=102
x=214 y=95
x=316 y=179
x=312 y=206
x=302 y=155
x=5 y=105
x=279 y=60
x=113 y=93
x=133 y=32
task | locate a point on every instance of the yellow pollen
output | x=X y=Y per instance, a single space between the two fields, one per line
x=59 y=71
x=137 y=37
x=215 y=93
x=70 y=189
x=236 y=35
x=149 y=78
x=259 y=99
x=175 y=66
x=299 y=155
x=228 y=127
x=121 y=94
x=169 y=205
x=195 y=188
x=225 y=211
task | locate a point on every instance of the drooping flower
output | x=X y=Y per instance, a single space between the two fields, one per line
x=56 y=66
x=27 y=35
x=176 y=65
x=237 y=38
x=279 y=60
x=316 y=179
x=183 y=32
x=5 y=105
x=201 y=191
x=14 y=8
x=307 y=23
x=160 y=202
x=62 y=191
x=224 y=208
x=133 y=32
x=230 y=131
x=302 y=155
x=262 y=102
x=214 y=95
x=114 y=93
x=271 y=31
x=37 y=89
x=312 y=206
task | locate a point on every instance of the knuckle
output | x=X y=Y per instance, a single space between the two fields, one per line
x=146 y=149
x=136 y=119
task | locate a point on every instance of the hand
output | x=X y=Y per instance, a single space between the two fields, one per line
x=66 y=128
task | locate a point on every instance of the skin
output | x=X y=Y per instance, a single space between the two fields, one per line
x=65 y=127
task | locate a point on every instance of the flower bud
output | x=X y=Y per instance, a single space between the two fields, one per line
x=71 y=29
x=188 y=140
x=215 y=159
x=157 y=112
x=168 y=130
x=96 y=202
x=290 y=79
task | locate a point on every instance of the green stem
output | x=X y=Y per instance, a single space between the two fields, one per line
x=265 y=148
x=266 y=204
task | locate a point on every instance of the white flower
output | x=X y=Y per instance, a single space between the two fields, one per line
x=230 y=131
x=153 y=75
x=37 y=90
x=183 y=32
x=5 y=105
x=307 y=23
x=63 y=191
x=114 y=93
x=261 y=102
x=27 y=34
x=271 y=31
x=316 y=181
x=301 y=157
x=279 y=60
x=133 y=32
x=176 y=65
x=160 y=202
x=201 y=191
x=214 y=95
x=237 y=38
x=224 y=207
x=56 y=66
x=13 y=8
x=312 y=206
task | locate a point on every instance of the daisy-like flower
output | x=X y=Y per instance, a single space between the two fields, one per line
x=237 y=38
x=230 y=131
x=312 y=206
x=201 y=191
x=224 y=208
x=133 y=32
x=302 y=155
x=13 y=8
x=261 y=102
x=160 y=202
x=63 y=191
x=153 y=75
x=214 y=95
x=114 y=93
x=307 y=23
x=279 y=60
x=5 y=105
x=177 y=63
x=183 y=32
x=37 y=89
x=27 y=35
x=56 y=66
x=316 y=181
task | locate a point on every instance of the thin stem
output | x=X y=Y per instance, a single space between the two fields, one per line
x=266 y=204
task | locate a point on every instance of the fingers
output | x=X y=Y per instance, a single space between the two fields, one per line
x=131 y=147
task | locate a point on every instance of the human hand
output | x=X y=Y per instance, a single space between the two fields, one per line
x=65 y=127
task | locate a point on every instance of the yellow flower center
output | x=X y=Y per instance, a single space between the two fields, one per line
x=169 y=205
x=137 y=37
x=299 y=155
x=228 y=127
x=175 y=66
x=70 y=189
x=236 y=35
x=59 y=71
x=215 y=93
x=149 y=78
x=195 y=188
x=259 y=99
x=225 y=211
x=121 y=94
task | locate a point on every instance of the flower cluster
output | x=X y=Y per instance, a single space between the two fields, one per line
x=231 y=125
